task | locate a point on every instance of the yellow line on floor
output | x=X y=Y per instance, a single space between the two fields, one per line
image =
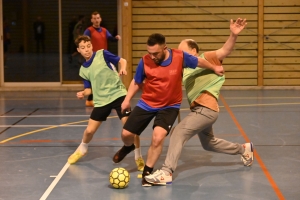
x=250 y=105
x=182 y=109
x=39 y=130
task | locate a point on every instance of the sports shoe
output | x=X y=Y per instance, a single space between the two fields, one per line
x=120 y=155
x=75 y=157
x=159 y=177
x=145 y=183
x=140 y=164
x=248 y=157
x=89 y=103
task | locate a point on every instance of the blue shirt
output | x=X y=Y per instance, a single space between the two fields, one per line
x=109 y=59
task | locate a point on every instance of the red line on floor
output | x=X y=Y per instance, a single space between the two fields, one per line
x=257 y=157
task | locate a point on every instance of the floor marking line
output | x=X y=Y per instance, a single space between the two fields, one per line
x=55 y=181
x=262 y=97
x=257 y=157
x=269 y=104
x=43 y=129
x=33 y=116
x=42 y=125
x=24 y=134
x=181 y=109
x=249 y=105
x=31 y=132
x=18 y=121
x=7 y=112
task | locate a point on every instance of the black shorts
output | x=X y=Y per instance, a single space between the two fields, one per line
x=101 y=113
x=140 y=118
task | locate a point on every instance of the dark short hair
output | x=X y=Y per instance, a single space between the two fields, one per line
x=81 y=38
x=192 y=44
x=95 y=13
x=156 y=38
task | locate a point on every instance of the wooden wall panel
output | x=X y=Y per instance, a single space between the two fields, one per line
x=201 y=39
x=194 y=3
x=202 y=46
x=190 y=10
x=282 y=82
x=164 y=17
x=281 y=68
x=188 y=25
x=207 y=22
x=282 y=43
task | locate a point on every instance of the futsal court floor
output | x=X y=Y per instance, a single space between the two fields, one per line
x=39 y=130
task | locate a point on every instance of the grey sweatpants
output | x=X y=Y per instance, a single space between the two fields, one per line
x=199 y=122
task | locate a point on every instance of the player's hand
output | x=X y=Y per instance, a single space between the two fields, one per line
x=80 y=95
x=118 y=37
x=122 y=72
x=125 y=106
x=219 y=70
x=237 y=26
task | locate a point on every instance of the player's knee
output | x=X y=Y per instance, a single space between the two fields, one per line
x=157 y=142
x=90 y=131
x=127 y=136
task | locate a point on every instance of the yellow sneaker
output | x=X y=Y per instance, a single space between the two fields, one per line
x=75 y=157
x=140 y=164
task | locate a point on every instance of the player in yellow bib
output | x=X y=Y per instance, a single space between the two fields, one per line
x=102 y=80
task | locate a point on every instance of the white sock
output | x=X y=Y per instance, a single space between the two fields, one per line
x=83 y=147
x=137 y=153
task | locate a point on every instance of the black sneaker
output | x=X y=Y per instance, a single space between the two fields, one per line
x=121 y=154
x=145 y=183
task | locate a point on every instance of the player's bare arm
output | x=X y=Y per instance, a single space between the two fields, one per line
x=85 y=92
x=235 y=28
x=219 y=70
x=123 y=64
x=132 y=90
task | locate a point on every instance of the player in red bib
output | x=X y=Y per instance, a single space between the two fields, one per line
x=159 y=75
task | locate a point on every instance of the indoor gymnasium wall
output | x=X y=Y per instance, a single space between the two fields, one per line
x=282 y=42
x=24 y=13
x=207 y=22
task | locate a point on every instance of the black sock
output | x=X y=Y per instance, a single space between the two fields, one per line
x=129 y=148
x=147 y=171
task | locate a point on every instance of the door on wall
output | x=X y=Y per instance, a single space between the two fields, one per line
x=31 y=42
x=32 y=46
x=72 y=13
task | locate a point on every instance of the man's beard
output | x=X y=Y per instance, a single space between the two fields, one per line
x=158 y=62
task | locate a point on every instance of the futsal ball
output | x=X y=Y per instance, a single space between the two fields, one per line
x=119 y=178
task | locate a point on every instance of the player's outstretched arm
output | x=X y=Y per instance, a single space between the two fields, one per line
x=207 y=65
x=235 y=28
x=123 y=64
x=132 y=90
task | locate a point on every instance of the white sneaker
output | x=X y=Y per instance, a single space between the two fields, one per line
x=159 y=177
x=248 y=157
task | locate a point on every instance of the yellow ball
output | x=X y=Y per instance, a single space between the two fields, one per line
x=119 y=178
